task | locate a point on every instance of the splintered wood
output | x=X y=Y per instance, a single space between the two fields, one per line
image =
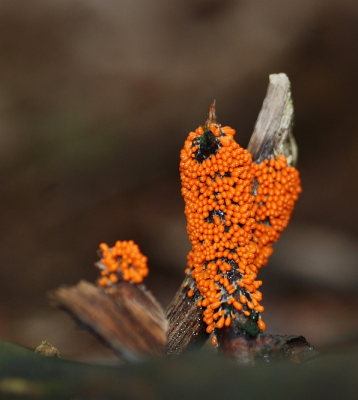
x=127 y=318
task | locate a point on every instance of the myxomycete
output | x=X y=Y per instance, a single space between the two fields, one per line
x=235 y=209
x=123 y=261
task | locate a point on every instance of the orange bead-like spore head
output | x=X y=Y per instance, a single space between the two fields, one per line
x=231 y=222
x=123 y=261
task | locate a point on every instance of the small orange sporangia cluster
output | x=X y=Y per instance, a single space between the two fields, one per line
x=235 y=211
x=123 y=261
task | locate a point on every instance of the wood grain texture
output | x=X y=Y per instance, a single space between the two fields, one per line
x=128 y=318
x=273 y=129
x=186 y=326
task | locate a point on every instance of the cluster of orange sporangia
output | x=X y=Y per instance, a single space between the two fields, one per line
x=123 y=261
x=235 y=211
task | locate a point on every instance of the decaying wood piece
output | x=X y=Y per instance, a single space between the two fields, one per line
x=272 y=136
x=273 y=129
x=127 y=318
x=265 y=348
x=186 y=326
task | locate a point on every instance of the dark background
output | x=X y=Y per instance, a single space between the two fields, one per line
x=96 y=100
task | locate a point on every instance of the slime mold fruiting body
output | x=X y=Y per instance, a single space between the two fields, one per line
x=123 y=261
x=235 y=211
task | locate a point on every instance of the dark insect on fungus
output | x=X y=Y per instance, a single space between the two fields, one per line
x=252 y=328
x=230 y=224
x=208 y=145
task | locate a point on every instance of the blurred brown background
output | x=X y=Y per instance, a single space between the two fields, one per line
x=96 y=100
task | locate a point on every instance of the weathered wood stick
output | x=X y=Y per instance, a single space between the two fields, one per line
x=264 y=348
x=272 y=136
x=186 y=328
x=127 y=317
x=273 y=129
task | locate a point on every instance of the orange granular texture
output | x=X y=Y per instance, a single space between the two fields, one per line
x=231 y=229
x=123 y=261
